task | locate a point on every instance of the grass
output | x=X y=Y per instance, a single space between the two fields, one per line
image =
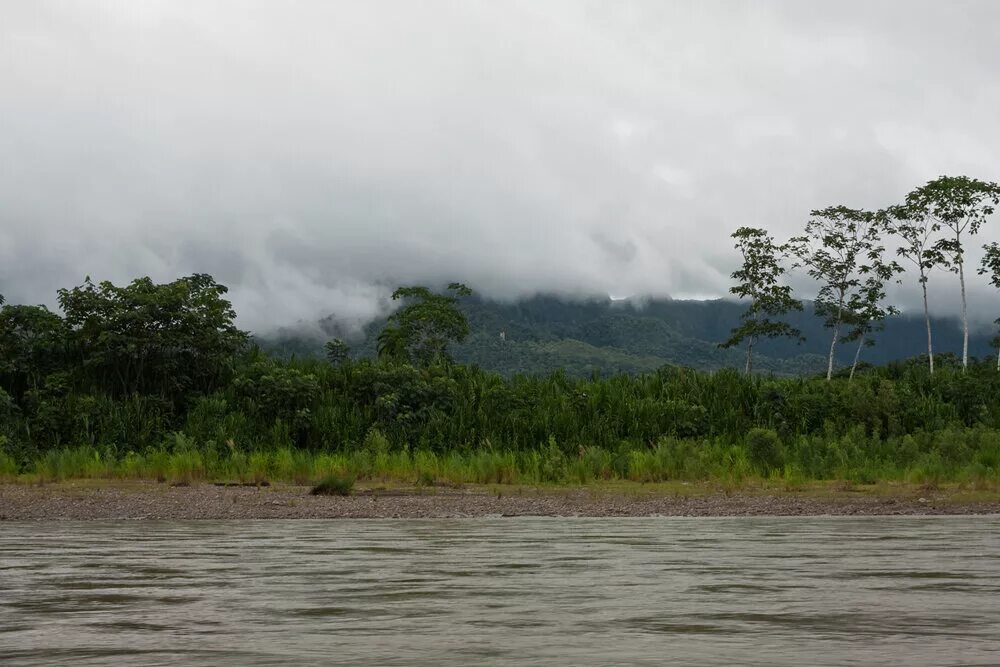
x=794 y=468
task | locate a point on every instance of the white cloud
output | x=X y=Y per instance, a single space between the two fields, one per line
x=312 y=155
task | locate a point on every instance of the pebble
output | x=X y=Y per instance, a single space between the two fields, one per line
x=140 y=500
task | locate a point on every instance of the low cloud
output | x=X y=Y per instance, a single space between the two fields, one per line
x=313 y=155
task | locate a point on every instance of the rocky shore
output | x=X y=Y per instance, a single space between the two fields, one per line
x=147 y=500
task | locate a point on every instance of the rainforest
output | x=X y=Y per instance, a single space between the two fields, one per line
x=155 y=380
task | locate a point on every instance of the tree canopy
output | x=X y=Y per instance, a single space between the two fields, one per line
x=421 y=330
x=759 y=280
x=145 y=337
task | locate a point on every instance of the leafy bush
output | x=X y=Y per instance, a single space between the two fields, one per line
x=334 y=485
x=8 y=466
x=763 y=448
x=376 y=442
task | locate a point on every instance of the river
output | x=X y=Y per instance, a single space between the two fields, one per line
x=543 y=591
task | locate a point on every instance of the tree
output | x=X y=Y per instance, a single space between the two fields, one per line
x=337 y=352
x=838 y=249
x=147 y=338
x=32 y=346
x=866 y=311
x=960 y=205
x=990 y=264
x=995 y=342
x=392 y=345
x=919 y=247
x=421 y=330
x=759 y=281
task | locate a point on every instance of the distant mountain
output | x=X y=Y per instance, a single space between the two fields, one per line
x=546 y=333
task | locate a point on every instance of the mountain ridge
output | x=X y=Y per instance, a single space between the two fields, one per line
x=545 y=333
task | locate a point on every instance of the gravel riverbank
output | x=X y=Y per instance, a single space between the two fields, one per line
x=147 y=500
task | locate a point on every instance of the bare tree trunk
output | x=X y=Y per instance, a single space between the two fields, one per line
x=965 y=317
x=857 y=355
x=751 y=340
x=833 y=346
x=998 y=359
x=927 y=320
x=833 y=343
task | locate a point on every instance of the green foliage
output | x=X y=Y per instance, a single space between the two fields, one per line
x=959 y=205
x=759 y=280
x=841 y=250
x=275 y=390
x=763 y=449
x=73 y=415
x=337 y=352
x=990 y=263
x=421 y=330
x=8 y=464
x=147 y=338
x=545 y=334
x=382 y=410
x=32 y=347
x=951 y=454
x=376 y=443
x=334 y=485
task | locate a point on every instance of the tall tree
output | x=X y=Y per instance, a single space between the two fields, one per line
x=32 y=346
x=337 y=352
x=866 y=309
x=392 y=345
x=838 y=250
x=421 y=330
x=917 y=234
x=759 y=280
x=960 y=205
x=147 y=338
x=990 y=265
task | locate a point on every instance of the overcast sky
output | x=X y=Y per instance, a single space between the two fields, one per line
x=311 y=155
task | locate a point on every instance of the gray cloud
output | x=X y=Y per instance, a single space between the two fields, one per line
x=312 y=155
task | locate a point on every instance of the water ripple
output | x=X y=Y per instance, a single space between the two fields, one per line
x=768 y=591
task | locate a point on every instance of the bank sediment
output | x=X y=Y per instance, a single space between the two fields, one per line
x=148 y=500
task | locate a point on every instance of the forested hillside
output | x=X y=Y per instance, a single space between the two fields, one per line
x=546 y=333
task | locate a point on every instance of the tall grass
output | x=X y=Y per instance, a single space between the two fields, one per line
x=968 y=455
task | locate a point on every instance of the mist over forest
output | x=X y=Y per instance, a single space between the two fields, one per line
x=579 y=149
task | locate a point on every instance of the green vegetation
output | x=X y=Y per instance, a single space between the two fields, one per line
x=758 y=279
x=334 y=485
x=955 y=455
x=270 y=419
x=154 y=381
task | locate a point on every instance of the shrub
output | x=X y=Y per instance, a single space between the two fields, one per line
x=334 y=485
x=763 y=448
x=185 y=467
x=552 y=466
x=259 y=466
x=8 y=466
x=376 y=442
